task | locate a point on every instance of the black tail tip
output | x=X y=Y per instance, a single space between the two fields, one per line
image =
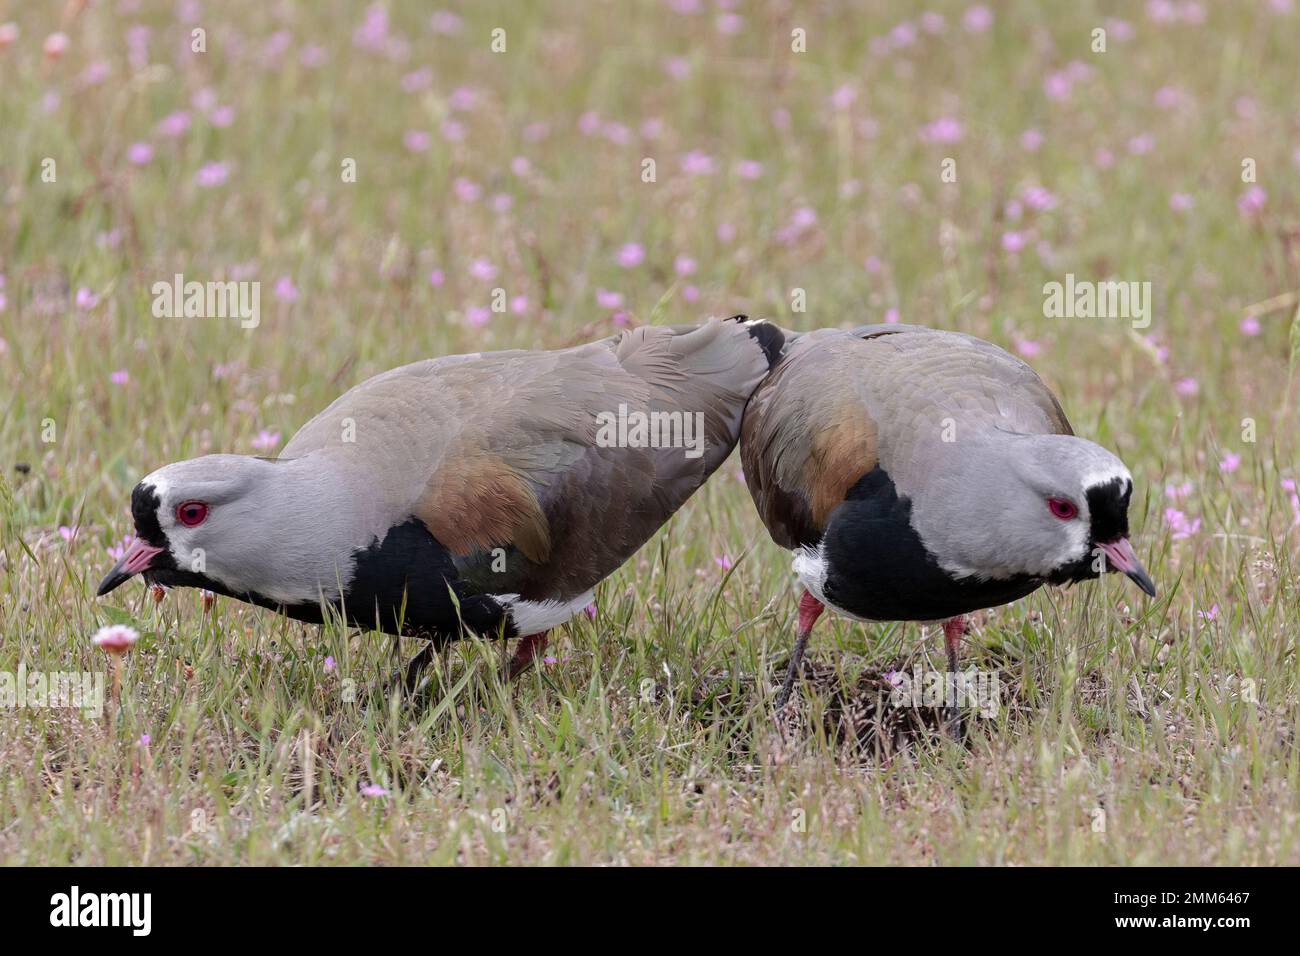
x=769 y=338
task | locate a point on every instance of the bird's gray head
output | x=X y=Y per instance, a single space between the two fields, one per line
x=234 y=524
x=1048 y=506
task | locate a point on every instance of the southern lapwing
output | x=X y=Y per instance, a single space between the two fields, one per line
x=487 y=492
x=919 y=475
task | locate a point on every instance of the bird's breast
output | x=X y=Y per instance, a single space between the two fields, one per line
x=877 y=568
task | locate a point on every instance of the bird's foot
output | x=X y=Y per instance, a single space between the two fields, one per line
x=530 y=649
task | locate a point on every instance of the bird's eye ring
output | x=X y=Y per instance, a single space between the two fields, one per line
x=1062 y=508
x=191 y=513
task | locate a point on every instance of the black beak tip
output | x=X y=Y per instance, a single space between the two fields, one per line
x=111 y=582
x=1144 y=582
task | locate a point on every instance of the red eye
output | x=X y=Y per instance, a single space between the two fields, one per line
x=1063 y=509
x=191 y=513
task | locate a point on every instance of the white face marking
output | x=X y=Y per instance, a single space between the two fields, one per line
x=536 y=617
x=1105 y=476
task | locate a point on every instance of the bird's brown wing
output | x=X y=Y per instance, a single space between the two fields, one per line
x=808 y=436
x=513 y=451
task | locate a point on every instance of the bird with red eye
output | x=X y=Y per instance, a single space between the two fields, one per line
x=1063 y=508
x=191 y=513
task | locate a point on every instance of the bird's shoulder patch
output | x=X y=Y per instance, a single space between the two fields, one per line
x=839 y=453
x=481 y=501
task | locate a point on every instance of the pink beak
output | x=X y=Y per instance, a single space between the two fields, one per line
x=1119 y=553
x=137 y=558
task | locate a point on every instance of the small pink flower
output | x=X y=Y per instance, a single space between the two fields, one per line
x=1161 y=351
x=1031 y=140
x=144 y=740
x=116 y=638
x=285 y=290
x=844 y=96
x=1039 y=199
x=313 y=55
x=56 y=44
x=684 y=266
x=264 y=440
x=1250 y=326
x=1251 y=202
x=590 y=610
x=373 y=790
x=1058 y=86
x=631 y=255
x=697 y=163
x=437 y=278
x=86 y=299
x=677 y=67
x=1187 y=387
x=417 y=141
x=609 y=300
x=749 y=169
x=1178 y=492
x=1169 y=97
x=117 y=551
x=120 y=377
x=466 y=190
x=452 y=131
x=892 y=317
x=1209 y=615
x=1230 y=463
x=211 y=175
x=329 y=665
x=1029 y=348
x=478 y=316
x=977 y=19
x=68 y=534
x=417 y=80
x=690 y=293
x=1014 y=241
x=944 y=130
x=139 y=154
x=482 y=269
x=726 y=232
x=1180 y=525
x=519 y=304
x=446 y=23
x=1141 y=144
x=520 y=166
x=724 y=562
x=174 y=125
x=222 y=116
x=729 y=24
x=1181 y=202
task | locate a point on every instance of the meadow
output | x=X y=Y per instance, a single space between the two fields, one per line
x=406 y=181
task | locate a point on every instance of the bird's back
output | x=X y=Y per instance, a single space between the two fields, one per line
x=842 y=403
x=521 y=453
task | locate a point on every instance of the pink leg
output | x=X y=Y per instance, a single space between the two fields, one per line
x=809 y=610
x=530 y=648
x=954 y=629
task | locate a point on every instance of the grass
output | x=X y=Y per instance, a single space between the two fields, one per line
x=1144 y=732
